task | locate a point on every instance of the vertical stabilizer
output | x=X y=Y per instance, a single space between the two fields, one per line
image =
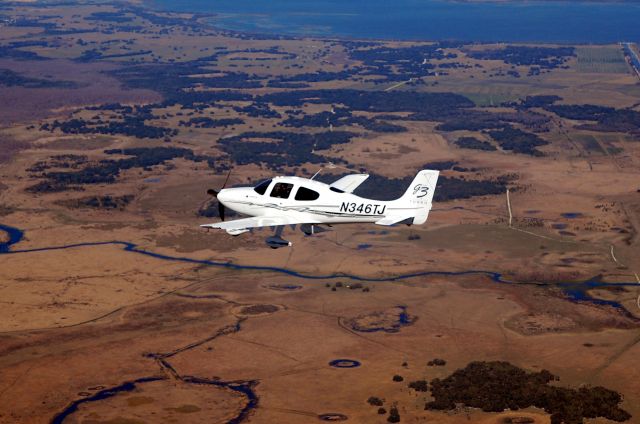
x=420 y=194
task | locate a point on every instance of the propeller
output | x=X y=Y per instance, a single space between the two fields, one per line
x=214 y=193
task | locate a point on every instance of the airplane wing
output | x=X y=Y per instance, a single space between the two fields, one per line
x=350 y=182
x=258 y=221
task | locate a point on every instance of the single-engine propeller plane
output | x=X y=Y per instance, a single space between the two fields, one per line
x=283 y=201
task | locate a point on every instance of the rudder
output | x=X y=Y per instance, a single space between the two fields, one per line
x=420 y=193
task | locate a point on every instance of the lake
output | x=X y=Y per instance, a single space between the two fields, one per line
x=516 y=21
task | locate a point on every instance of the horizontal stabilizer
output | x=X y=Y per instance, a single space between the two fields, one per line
x=350 y=182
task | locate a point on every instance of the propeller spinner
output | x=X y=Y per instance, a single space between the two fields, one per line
x=214 y=193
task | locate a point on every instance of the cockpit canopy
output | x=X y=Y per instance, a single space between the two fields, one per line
x=283 y=190
x=262 y=187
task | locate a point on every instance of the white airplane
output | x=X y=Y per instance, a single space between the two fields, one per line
x=285 y=201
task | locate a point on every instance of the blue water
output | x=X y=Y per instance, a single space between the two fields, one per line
x=284 y=287
x=245 y=388
x=404 y=318
x=129 y=386
x=344 y=363
x=571 y=215
x=544 y=21
x=15 y=235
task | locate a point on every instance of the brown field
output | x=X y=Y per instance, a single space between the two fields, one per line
x=81 y=320
x=94 y=86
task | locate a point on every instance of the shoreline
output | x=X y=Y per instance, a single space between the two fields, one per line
x=250 y=26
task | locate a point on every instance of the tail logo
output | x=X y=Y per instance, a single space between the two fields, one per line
x=420 y=190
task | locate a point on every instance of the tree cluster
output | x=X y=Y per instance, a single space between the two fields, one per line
x=518 y=141
x=106 y=171
x=543 y=57
x=286 y=149
x=497 y=386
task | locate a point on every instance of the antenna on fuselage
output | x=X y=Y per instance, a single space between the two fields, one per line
x=316 y=174
x=330 y=165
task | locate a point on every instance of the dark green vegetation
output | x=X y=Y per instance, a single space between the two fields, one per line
x=99 y=202
x=124 y=120
x=282 y=148
x=539 y=59
x=601 y=118
x=340 y=117
x=497 y=386
x=441 y=165
x=118 y=17
x=518 y=420
x=474 y=143
x=427 y=104
x=10 y=79
x=13 y=51
x=174 y=80
x=437 y=362
x=59 y=161
x=542 y=57
x=130 y=125
x=606 y=119
x=258 y=110
x=394 y=415
x=375 y=401
x=353 y=286
x=399 y=64
x=419 y=385
x=519 y=141
x=291 y=81
x=537 y=101
x=475 y=120
x=107 y=171
x=204 y=122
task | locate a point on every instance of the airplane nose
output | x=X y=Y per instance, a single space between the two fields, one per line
x=223 y=196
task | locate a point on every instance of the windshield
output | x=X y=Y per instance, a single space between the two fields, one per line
x=262 y=187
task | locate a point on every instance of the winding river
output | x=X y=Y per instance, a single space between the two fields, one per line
x=576 y=291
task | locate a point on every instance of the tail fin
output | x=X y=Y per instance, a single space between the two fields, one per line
x=420 y=193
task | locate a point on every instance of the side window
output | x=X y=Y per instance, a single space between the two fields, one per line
x=262 y=187
x=281 y=190
x=306 y=194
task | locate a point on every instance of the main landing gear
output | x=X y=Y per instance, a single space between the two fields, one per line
x=276 y=241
